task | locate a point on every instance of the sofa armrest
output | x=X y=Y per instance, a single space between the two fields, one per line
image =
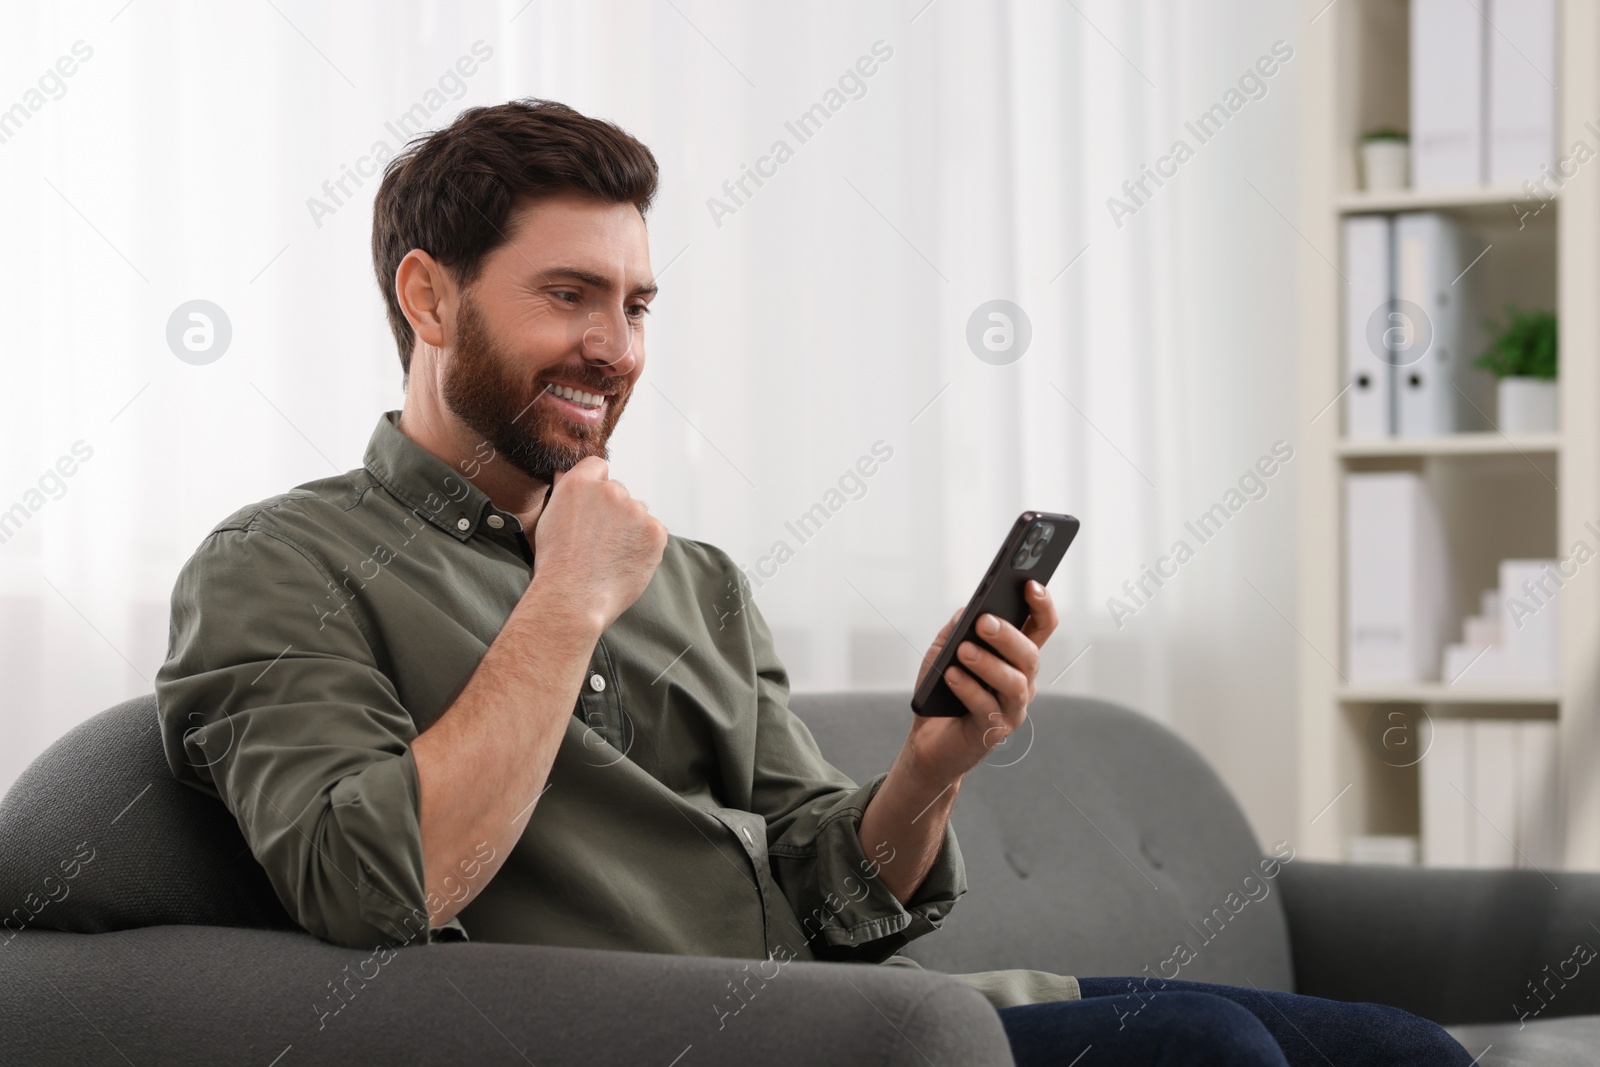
x=202 y=995
x=1454 y=946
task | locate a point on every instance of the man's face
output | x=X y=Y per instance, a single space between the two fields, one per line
x=560 y=306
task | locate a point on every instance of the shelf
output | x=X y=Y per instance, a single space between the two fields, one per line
x=1441 y=693
x=1461 y=444
x=1546 y=254
x=1479 y=199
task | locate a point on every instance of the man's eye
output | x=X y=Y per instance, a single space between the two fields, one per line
x=639 y=311
x=571 y=298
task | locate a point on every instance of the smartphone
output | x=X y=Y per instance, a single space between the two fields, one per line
x=1033 y=548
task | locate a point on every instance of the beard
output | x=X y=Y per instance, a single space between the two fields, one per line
x=483 y=389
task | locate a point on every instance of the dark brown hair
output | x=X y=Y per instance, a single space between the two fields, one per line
x=452 y=192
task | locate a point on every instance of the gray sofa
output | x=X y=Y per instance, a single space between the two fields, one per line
x=138 y=928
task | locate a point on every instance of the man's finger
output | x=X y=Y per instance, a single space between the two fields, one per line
x=1013 y=645
x=978 y=700
x=939 y=641
x=941 y=637
x=1042 y=616
x=1007 y=679
x=601 y=468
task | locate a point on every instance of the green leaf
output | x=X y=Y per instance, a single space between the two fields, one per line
x=1525 y=347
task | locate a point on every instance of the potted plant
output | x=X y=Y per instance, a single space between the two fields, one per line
x=1523 y=358
x=1385 y=159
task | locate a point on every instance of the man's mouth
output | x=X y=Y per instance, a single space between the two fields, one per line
x=578 y=404
x=578 y=396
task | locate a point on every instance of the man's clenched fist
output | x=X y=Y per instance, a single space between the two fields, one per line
x=596 y=543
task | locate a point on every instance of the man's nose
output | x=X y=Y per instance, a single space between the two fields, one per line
x=608 y=342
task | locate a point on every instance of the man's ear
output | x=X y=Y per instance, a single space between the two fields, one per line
x=427 y=296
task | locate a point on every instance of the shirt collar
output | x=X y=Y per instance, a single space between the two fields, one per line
x=427 y=484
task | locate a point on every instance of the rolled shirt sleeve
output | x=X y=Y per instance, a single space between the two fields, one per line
x=272 y=700
x=813 y=812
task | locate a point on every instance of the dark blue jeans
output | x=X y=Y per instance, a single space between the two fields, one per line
x=1138 y=1022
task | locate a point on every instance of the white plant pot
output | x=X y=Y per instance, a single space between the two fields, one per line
x=1527 y=405
x=1385 y=165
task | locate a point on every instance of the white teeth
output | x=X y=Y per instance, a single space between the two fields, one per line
x=577 y=396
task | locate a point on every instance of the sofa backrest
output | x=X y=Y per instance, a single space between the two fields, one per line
x=1096 y=842
x=97 y=836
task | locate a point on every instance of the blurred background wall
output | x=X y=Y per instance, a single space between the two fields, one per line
x=996 y=151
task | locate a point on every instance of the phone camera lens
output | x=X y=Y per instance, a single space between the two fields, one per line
x=1033 y=535
x=1049 y=531
x=1022 y=558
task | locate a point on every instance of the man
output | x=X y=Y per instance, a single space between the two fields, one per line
x=474 y=688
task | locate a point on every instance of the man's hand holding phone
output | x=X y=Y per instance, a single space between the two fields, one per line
x=943 y=748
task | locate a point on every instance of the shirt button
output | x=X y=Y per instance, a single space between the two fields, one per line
x=463 y=525
x=495 y=522
x=597 y=683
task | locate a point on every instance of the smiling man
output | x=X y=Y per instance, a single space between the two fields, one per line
x=473 y=688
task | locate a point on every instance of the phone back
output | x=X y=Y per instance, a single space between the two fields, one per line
x=1001 y=593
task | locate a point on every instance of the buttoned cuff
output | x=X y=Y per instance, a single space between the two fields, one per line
x=375 y=814
x=859 y=918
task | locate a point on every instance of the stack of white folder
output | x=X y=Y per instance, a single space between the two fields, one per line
x=1483 y=91
x=1515 y=639
x=1490 y=794
x=1412 y=328
x=1399 y=605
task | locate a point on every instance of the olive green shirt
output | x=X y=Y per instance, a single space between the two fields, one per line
x=315 y=634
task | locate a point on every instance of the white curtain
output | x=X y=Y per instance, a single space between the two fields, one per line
x=939 y=156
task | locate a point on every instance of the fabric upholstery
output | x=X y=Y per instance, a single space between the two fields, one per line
x=1455 y=946
x=204 y=995
x=161 y=852
x=1096 y=841
x=1548 y=1043
x=1045 y=875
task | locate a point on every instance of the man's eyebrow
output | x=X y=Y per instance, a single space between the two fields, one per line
x=578 y=274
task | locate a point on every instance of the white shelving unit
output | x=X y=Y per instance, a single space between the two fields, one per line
x=1501 y=497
